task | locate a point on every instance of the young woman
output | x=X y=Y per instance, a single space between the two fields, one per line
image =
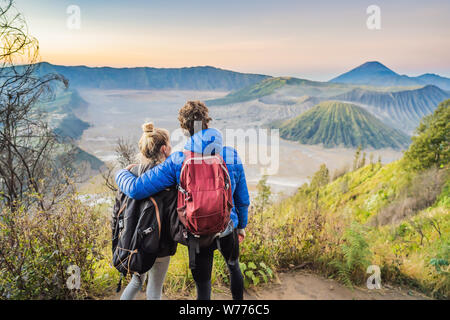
x=204 y=141
x=154 y=147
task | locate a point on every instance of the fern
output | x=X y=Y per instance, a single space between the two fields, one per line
x=355 y=255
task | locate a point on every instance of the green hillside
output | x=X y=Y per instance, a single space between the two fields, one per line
x=394 y=216
x=299 y=87
x=334 y=123
x=376 y=215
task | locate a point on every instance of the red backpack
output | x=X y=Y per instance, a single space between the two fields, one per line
x=204 y=194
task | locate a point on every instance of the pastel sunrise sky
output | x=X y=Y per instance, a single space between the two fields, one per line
x=317 y=39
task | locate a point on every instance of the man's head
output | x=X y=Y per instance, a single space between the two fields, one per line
x=194 y=116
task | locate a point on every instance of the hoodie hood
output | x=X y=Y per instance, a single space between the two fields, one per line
x=206 y=142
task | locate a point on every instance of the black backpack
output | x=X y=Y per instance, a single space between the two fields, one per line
x=139 y=227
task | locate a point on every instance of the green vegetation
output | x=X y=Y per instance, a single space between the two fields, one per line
x=300 y=87
x=335 y=123
x=262 y=200
x=331 y=229
x=38 y=249
x=258 y=90
x=431 y=144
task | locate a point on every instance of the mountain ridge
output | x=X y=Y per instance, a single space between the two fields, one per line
x=402 y=109
x=185 y=78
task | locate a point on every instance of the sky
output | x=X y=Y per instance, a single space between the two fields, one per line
x=315 y=40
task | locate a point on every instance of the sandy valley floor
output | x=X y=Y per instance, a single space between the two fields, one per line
x=120 y=113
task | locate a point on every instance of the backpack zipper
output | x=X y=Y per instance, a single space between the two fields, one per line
x=147 y=231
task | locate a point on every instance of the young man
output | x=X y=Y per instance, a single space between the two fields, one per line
x=206 y=141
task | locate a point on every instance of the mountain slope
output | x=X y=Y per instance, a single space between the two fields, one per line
x=436 y=80
x=334 y=123
x=291 y=86
x=60 y=110
x=402 y=109
x=194 y=78
x=67 y=126
x=374 y=73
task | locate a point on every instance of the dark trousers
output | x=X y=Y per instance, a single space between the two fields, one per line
x=229 y=248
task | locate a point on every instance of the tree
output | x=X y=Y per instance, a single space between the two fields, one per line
x=430 y=146
x=126 y=154
x=363 y=160
x=356 y=158
x=371 y=161
x=262 y=199
x=321 y=177
x=44 y=226
x=27 y=144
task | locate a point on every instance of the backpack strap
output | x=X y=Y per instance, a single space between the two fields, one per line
x=121 y=209
x=218 y=244
x=193 y=249
x=158 y=217
x=234 y=256
x=119 y=284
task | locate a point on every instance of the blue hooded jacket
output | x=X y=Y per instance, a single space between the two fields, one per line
x=166 y=174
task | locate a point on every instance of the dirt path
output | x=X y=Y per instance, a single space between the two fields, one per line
x=303 y=285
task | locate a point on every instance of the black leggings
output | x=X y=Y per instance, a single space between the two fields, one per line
x=229 y=246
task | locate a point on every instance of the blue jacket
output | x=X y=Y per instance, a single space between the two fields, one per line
x=208 y=141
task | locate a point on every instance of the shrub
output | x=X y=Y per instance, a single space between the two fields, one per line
x=38 y=246
x=352 y=263
x=340 y=172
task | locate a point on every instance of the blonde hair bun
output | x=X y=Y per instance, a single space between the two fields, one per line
x=147 y=127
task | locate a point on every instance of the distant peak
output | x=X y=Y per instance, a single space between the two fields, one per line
x=430 y=87
x=44 y=63
x=373 y=65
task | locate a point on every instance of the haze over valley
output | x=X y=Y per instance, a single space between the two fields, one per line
x=110 y=103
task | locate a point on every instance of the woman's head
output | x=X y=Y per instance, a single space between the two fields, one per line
x=194 y=112
x=154 y=144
